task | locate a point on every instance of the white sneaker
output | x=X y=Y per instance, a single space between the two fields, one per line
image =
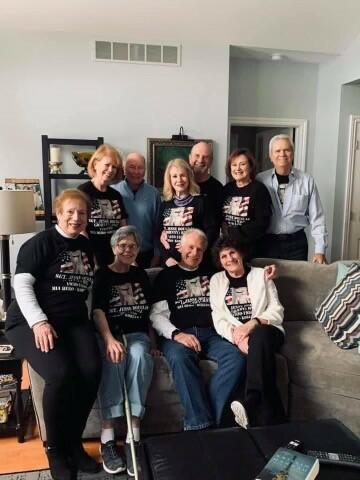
x=239 y=411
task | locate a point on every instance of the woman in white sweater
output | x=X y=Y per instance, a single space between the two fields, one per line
x=247 y=312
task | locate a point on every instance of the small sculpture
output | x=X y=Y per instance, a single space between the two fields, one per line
x=82 y=159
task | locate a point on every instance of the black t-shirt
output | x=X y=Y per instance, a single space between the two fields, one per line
x=107 y=212
x=246 y=210
x=176 y=220
x=283 y=180
x=125 y=298
x=187 y=294
x=237 y=298
x=63 y=269
x=212 y=189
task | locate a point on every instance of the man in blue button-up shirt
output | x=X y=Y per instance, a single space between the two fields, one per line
x=142 y=203
x=295 y=204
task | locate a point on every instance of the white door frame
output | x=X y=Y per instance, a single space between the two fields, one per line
x=354 y=124
x=300 y=125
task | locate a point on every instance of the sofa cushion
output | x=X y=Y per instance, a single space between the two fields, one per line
x=315 y=362
x=339 y=313
x=301 y=286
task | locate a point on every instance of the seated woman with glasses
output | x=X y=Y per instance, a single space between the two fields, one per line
x=121 y=304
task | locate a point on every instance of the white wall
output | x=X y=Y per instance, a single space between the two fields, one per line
x=275 y=89
x=332 y=76
x=49 y=85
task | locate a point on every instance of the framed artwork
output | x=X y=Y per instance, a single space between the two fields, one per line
x=160 y=151
x=28 y=184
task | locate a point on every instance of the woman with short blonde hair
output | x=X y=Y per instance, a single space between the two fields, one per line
x=183 y=208
x=107 y=211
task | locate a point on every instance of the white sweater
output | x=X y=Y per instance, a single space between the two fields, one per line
x=264 y=300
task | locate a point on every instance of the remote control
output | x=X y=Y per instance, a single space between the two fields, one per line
x=342 y=459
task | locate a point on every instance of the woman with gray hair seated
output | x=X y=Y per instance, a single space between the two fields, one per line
x=121 y=304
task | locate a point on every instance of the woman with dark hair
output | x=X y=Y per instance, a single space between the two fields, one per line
x=246 y=204
x=107 y=212
x=48 y=325
x=247 y=312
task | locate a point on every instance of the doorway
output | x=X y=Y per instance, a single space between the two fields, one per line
x=255 y=134
x=351 y=237
x=257 y=139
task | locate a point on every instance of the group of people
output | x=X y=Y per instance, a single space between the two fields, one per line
x=207 y=302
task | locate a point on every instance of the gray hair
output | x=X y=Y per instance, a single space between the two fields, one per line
x=124 y=232
x=199 y=232
x=282 y=136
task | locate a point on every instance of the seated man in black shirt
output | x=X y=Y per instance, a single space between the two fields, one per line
x=181 y=315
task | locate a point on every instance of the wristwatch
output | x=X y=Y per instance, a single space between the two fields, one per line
x=175 y=332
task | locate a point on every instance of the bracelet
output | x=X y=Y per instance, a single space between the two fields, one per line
x=38 y=324
x=257 y=320
x=174 y=333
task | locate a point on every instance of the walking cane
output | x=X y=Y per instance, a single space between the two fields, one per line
x=129 y=422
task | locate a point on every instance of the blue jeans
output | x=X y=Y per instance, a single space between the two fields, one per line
x=204 y=405
x=136 y=368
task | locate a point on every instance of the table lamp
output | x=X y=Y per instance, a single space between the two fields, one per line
x=17 y=215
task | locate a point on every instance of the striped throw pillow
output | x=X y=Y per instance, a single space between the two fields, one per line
x=339 y=313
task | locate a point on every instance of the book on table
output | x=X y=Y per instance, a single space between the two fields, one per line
x=287 y=464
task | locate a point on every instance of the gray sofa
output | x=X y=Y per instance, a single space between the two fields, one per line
x=316 y=379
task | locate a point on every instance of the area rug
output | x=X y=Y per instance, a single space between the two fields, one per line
x=45 y=475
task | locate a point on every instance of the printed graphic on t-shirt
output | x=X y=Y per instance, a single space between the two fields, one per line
x=105 y=216
x=127 y=300
x=176 y=221
x=193 y=292
x=236 y=210
x=75 y=273
x=239 y=303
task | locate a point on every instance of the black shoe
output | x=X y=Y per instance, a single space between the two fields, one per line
x=60 y=468
x=82 y=460
x=112 y=459
x=129 y=459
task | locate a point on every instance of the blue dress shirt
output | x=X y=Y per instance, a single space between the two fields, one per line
x=301 y=207
x=142 y=208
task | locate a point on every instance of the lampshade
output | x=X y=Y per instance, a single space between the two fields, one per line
x=17 y=213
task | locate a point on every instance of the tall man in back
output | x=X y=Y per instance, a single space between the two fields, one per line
x=142 y=203
x=295 y=205
x=181 y=315
x=200 y=159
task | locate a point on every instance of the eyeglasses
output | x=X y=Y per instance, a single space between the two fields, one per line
x=127 y=246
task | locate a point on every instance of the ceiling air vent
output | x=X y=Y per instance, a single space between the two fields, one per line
x=137 y=53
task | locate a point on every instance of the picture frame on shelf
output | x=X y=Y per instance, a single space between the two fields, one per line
x=28 y=184
x=161 y=150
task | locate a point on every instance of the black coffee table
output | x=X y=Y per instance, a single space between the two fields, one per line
x=238 y=454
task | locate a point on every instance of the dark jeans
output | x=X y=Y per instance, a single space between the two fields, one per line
x=262 y=398
x=71 y=372
x=287 y=247
x=203 y=405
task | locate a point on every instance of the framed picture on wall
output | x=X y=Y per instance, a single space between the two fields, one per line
x=28 y=184
x=160 y=151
